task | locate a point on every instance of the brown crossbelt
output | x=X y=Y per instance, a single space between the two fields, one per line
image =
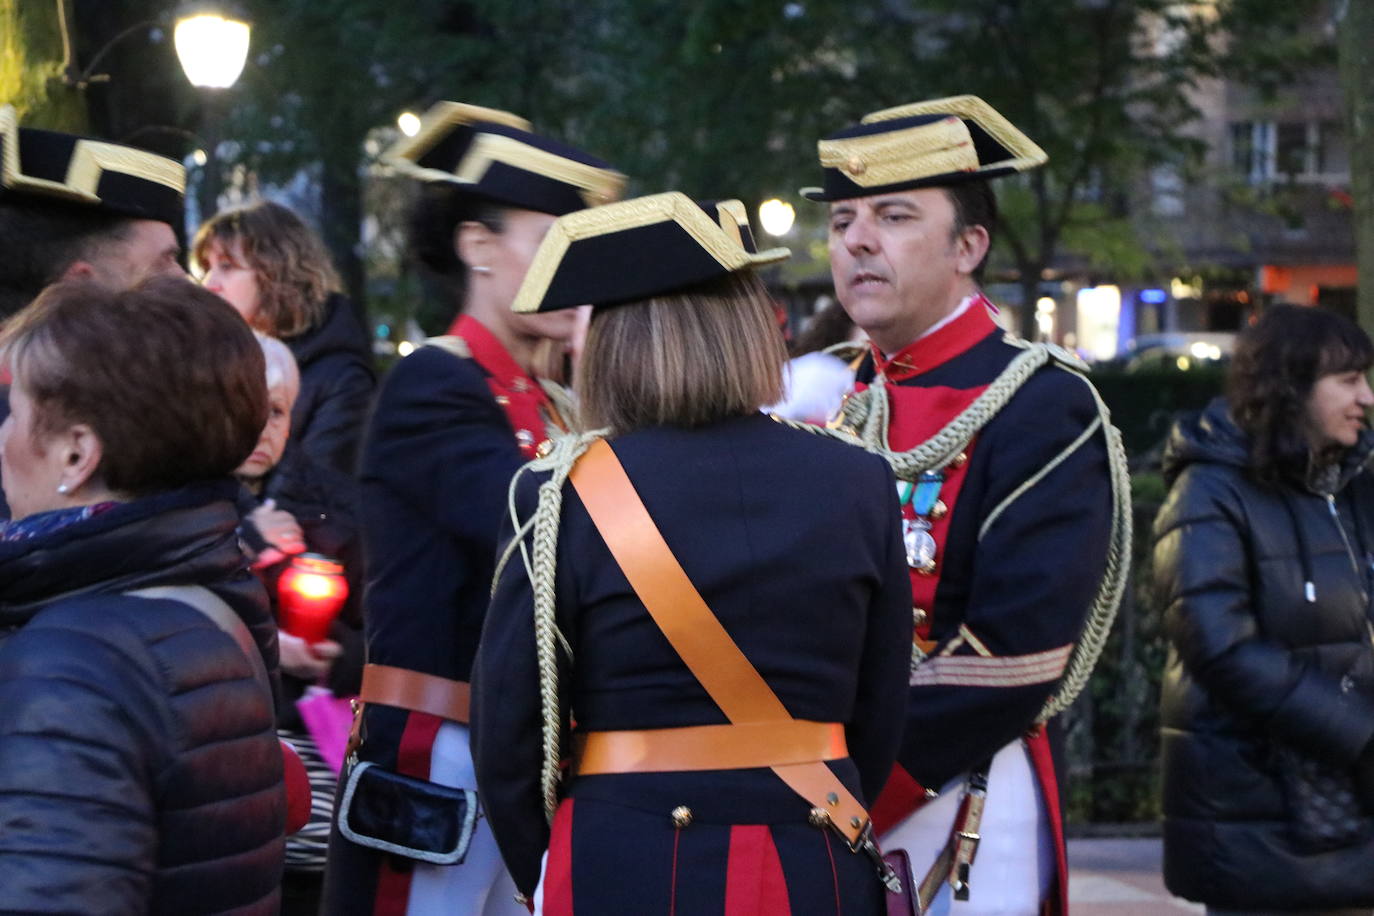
x=416 y=691
x=736 y=746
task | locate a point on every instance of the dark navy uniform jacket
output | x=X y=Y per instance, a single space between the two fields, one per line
x=437 y=463
x=1016 y=574
x=793 y=542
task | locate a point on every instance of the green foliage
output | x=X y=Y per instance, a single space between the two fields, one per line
x=1144 y=403
x=31 y=65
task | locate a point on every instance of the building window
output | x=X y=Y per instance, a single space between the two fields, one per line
x=1262 y=151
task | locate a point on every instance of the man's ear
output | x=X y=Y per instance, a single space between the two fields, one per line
x=970 y=248
x=82 y=452
x=82 y=269
x=472 y=242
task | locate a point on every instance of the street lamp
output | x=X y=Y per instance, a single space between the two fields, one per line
x=211 y=46
x=776 y=216
x=408 y=122
x=211 y=41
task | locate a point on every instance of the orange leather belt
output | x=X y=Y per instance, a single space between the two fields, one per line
x=416 y=691
x=708 y=747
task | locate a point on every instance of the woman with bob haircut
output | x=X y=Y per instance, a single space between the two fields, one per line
x=139 y=766
x=689 y=792
x=1263 y=558
x=268 y=264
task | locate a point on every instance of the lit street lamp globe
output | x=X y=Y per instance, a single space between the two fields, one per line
x=776 y=216
x=212 y=47
x=408 y=122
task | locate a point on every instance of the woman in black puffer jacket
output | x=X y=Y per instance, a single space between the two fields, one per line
x=1263 y=562
x=139 y=768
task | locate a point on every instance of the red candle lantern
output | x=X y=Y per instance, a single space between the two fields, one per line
x=311 y=592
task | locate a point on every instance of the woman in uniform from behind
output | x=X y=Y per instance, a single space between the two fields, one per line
x=672 y=805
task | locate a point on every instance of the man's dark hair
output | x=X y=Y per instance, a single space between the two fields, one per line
x=974 y=205
x=41 y=239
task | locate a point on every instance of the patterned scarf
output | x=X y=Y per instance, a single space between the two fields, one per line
x=43 y=523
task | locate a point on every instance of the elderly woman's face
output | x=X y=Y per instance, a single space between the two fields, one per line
x=272 y=442
x=30 y=467
x=229 y=276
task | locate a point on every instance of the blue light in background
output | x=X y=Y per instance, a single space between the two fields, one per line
x=1152 y=296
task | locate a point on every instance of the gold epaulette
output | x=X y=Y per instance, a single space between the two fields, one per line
x=452 y=343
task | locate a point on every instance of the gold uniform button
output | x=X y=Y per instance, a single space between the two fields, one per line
x=819 y=817
x=939 y=510
x=855 y=166
x=960 y=460
x=682 y=816
x=542 y=451
x=502 y=400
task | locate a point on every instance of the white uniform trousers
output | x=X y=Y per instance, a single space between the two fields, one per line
x=1014 y=868
x=480 y=886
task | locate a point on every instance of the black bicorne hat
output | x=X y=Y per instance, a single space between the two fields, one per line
x=494 y=155
x=637 y=249
x=65 y=168
x=925 y=144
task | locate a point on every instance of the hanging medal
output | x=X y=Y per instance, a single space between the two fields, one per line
x=923 y=496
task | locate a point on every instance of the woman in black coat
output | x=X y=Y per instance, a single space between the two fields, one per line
x=813 y=590
x=1263 y=562
x=266 y=263
x=139 y=768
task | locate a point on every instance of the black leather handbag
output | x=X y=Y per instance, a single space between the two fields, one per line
x=409 y=817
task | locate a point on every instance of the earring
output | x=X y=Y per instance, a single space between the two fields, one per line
x=63 y=488
x=481 y=269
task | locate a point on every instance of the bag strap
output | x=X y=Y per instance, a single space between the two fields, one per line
x=696 y=634
x=223 y=616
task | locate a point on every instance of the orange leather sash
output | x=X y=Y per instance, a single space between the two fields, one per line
x=415 y=691
x=708 y=747
x=694 y=631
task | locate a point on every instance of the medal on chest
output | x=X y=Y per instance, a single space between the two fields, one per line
x=924 y=498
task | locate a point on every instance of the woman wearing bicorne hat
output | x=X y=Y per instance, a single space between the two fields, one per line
x=721 y=656
x=452 y=423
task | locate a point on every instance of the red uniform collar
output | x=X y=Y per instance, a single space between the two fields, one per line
x=492 y=356
x=925 y=353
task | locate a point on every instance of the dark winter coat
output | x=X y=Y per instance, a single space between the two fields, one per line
x=139 y=768
x=337 y=381
x=1254 y=664
x=814 y=591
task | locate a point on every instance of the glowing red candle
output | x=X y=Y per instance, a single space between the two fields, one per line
x=311 y=593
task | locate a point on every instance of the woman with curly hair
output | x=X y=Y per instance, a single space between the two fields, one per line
x=1264 y=561
x=266 y=263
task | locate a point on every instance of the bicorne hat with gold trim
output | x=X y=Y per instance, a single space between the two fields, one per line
x=926 y=144
x=637 y=249
x=494 y=155
x=47 y=165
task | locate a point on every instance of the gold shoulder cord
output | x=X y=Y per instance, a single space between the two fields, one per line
x=864 y=422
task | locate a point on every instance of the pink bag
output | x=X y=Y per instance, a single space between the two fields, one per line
x=328 y=719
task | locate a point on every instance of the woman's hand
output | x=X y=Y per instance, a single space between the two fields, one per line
x=309 y=662
x=280 y=530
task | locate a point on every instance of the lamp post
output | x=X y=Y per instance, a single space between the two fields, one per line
x=212 y=45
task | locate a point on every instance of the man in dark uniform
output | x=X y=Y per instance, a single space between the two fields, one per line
x=1007 y=510
x=452 y=423
x=72 y=206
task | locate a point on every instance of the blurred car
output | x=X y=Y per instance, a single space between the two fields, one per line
x=1178 y=350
